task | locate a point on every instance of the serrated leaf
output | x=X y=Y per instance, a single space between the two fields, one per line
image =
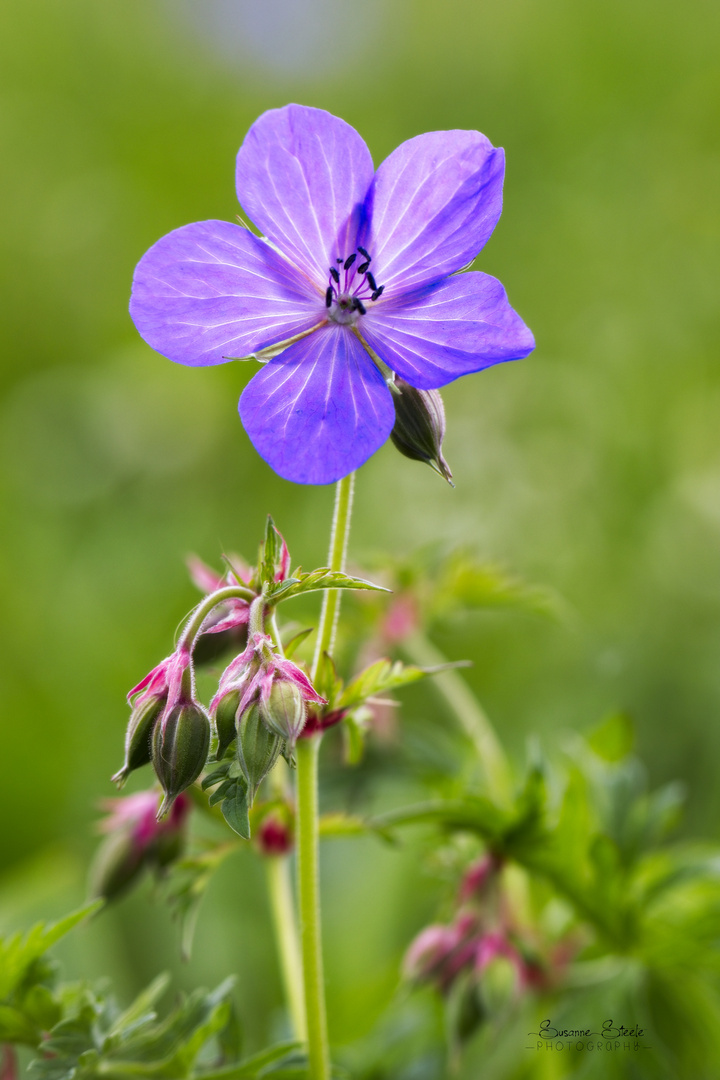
x=466 y=583
x=18 y=952
x=384 y=676
x=142 y=1008
x=322 y=578
x=235 y=810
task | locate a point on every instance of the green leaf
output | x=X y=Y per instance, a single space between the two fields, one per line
x=614 y=738
x=466 y=583
x=322 y=578
x=19 y=952
x=235 y=809
x=15 y=1027
x=252 y=1066
x=292 y=645
x=327 y=683
x=384 y=676
x=355 y=725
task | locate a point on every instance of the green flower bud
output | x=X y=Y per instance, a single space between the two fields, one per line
x=257 y=749
x=138 y=736
x=180 y=747
x=225 y=721
x=420 y=426
x=284 y=711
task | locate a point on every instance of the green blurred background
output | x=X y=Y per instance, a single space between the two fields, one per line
x=592 y=467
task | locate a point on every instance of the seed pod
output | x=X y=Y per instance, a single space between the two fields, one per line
x=225 y=721
x=420 y=426
x=180 y=747
x=138 y=736
x=257 y=749
x=284 y=712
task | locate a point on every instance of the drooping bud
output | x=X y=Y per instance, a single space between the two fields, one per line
x=257 y=749
x=135 y=841
x=283 y=710
x=138 y=737
x=420 y=426
x=225 y=715
x=275 y=834
x=180 y=745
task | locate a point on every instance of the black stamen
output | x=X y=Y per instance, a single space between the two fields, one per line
x=359 y=306
x=364 y=252
x=378 y=292
x=372 y=282
x=329 y=296
x=339 y=260
x=334 y=275
x=349 y=261
x=362 y=267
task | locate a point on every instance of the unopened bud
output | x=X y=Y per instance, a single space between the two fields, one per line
x=180 y=745
x=225 y=721
x=420 y=426
x=257 y=749
x=138 y=737
x=275 y=835
x=284 y=710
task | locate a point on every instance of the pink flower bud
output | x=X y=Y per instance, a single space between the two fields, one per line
x=136 y=840
x=478 y=877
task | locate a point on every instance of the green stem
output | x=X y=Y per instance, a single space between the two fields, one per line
x=194 y=624
x=309 y=892
x=473 y=720
x=284 y=922
x=307 y=751
x=336 y=561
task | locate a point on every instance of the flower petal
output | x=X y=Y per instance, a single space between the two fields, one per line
x=302 y=176
x=212 y=291
x=432 y=205
x=463 y=325
x=319 y=410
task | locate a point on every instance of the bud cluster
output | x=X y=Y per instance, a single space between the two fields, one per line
x=261 y=707
x=480 y=957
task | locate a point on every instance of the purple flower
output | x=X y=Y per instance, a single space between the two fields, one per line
x=356 y=276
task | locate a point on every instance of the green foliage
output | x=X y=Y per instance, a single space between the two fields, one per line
x=322 y=578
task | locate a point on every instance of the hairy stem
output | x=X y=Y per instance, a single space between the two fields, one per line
x=307 y=752
x=463 y=703
x=336 y=561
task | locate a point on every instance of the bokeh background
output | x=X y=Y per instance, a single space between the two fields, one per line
x=592 y=467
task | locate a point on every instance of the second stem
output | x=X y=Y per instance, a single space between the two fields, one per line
x=307 y=752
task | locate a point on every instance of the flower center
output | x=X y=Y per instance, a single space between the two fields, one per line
x=351 y=287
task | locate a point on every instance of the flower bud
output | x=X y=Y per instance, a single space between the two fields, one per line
x=275 y=834
x=138 y=736
x=225 y=721
x=420 y=426
x=180 y=745
x=284 y=710
x=257 y=749
x=135 y=841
